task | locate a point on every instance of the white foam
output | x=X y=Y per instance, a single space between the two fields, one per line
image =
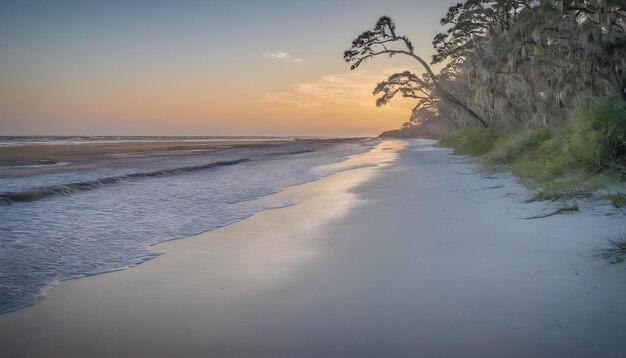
x=111 y=227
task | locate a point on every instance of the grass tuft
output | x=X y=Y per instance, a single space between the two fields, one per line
x=618 y=200
x=554 y=195
x=616 y=251
x=565 y=208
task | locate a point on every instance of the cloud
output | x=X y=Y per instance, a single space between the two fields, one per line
x=334 y=92
x=280 y=55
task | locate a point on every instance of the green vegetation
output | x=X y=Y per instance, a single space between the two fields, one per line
x=472 y=141
x=512 y=65
x=598 y=141
x=567 y=161
x=536 y=86
x=618 y=199
x=616 y=252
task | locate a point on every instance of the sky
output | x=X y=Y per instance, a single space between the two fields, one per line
x=139 y=67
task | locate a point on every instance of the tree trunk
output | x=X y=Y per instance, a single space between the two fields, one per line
x=447 y=95
x=454 y=100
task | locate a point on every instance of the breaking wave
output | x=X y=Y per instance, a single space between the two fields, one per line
x=67 y=189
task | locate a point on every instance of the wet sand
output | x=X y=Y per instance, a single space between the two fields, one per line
x=417 y=257
x=32 y=153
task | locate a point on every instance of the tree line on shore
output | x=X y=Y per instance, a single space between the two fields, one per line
x=539 y=85
x=509 y=64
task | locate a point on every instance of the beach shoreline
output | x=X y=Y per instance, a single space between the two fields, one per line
x=33 y=153
x=408 y=258
x=99 y=211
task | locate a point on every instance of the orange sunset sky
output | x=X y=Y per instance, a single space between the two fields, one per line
x=199 y=67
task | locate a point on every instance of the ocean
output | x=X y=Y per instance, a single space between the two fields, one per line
x=82 y=215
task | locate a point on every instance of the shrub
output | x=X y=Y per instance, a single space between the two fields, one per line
x=511 y=147
x=570 y=160
x=543 y=159
x=618 y=199
x=471 y=141
x=598 y=140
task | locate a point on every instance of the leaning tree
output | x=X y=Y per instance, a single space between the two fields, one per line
x=421 y=89
x=383 y=40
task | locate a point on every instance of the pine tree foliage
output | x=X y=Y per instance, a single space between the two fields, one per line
x=384 y=40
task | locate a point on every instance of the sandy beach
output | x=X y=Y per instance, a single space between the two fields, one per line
x=32 y=153
x=419 y=256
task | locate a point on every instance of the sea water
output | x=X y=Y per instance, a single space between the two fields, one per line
x=137 y=200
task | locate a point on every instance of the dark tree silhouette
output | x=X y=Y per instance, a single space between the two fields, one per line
x=471 y=20
x=409 y=85
x=383 y=40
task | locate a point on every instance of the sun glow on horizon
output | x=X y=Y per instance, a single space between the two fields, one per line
x=211 y=68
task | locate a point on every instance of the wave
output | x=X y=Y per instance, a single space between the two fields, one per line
x=28 y=163
x=301 y=151
x=66 y=189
